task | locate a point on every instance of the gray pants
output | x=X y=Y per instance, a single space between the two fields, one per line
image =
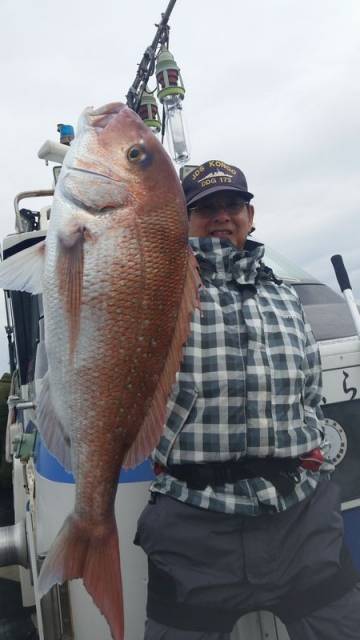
x=207 y=561
x=337 y=621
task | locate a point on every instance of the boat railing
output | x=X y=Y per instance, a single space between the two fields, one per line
x=25 y=219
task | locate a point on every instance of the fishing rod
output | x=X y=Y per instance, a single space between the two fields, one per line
x=170 y=91
x=345 y=286
x=147 y=64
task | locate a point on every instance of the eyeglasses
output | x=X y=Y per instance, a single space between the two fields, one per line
x=232 y=206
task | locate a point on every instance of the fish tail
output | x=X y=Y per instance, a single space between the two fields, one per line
x=91 y=553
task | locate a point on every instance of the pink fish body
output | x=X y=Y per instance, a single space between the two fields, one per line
x=119 y=286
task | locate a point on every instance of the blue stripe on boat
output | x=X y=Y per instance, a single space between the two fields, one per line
x=48 y=467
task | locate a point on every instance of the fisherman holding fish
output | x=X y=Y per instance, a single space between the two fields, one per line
x=243 y=515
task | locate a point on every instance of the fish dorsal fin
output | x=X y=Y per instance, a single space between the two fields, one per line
x=24 y=270
x=52 y=430
x=151 y=429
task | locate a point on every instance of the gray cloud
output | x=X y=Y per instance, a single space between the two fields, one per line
x=272 y=85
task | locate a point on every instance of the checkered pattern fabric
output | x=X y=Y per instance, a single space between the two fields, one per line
x=249 y=385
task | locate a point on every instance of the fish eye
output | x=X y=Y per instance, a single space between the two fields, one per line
x=136 y=153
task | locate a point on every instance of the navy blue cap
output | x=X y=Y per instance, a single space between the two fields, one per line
x=213 y=176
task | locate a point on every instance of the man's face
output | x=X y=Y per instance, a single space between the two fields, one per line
x=222 y=215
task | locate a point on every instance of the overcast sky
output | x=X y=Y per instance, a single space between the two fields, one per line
x=272 y=86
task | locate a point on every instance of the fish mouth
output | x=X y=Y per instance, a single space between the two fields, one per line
x=98 y=174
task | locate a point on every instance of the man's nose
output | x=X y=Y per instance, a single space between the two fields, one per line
x=221 y=214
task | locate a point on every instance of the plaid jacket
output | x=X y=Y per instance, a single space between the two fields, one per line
x=249 y=384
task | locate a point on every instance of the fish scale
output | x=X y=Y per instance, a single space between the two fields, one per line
x=119 y=287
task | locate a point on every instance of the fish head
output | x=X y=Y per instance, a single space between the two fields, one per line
x=116 y=162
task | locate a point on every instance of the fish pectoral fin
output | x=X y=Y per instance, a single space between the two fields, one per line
x=24 y=270
x=75 y=232
x=51 y=428
x=150 y=432
x=83 y=551
x=70 y=269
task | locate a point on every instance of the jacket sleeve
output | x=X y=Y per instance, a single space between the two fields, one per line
x=313 y=379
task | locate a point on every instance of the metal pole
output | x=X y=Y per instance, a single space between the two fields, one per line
x=345 y=286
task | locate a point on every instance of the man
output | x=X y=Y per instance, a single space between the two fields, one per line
x=243 y=515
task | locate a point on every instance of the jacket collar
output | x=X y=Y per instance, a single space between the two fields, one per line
x=220 y=261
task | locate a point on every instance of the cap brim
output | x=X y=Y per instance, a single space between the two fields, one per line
x=199 y=196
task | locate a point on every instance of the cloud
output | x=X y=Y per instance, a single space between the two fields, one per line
x=271 y=85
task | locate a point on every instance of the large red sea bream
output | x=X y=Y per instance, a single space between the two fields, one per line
x=119 y=286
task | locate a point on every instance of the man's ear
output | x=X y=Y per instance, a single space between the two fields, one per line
x=251 y=212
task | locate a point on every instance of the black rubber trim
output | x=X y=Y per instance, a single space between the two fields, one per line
x=25 y=244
